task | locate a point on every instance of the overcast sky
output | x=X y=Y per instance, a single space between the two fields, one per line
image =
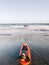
x=20 y=11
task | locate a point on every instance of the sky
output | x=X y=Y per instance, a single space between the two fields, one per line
x=24 y=11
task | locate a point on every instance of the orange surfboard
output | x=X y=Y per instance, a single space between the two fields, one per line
x=22 y=61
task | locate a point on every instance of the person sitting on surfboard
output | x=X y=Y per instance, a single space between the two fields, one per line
x=23 y=53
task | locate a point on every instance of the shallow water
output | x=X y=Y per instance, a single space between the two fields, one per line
x=10 y=48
